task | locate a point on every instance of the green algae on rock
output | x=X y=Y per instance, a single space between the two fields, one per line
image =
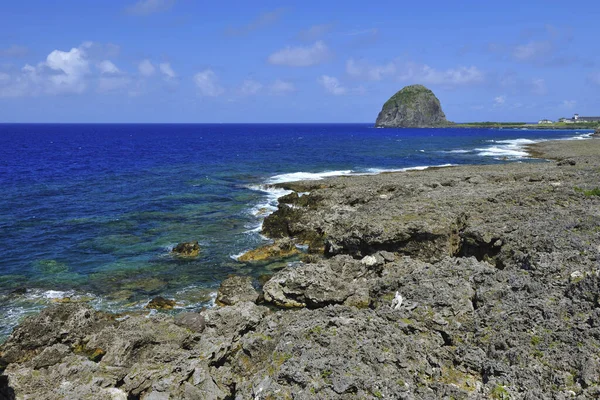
x=414 y=106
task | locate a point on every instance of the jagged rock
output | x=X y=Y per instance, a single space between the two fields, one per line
x=236 y=289
x=191 y=320
x=187 y=249
x=499 y=283
x=281 y=248
x=414 y=106
x=160 y=303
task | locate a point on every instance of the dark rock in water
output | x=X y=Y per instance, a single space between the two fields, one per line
x=187 y=249
x=19 y=291
x=193 y=321
x=596 y=133
x=414 y=106
x=236 y=289
x=279 y=249
x=160 y=303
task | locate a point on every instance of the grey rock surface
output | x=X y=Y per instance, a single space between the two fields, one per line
x=460 y=283
x=414 y=106
x=236 y=289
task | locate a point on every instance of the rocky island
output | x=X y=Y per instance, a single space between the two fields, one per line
x=450 y=283
x=414 y=106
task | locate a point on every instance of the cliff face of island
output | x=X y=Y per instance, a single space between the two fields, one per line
x=471 y=282
x=414 y=106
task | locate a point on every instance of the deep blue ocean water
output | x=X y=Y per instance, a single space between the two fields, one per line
x=91 y=212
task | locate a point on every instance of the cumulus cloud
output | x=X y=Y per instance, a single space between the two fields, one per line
x=459 y=76
x=62 y=72
x=280 y=87
x=415 y=72
x=250 y=87
x=263 y=20
x=146 y=68
x=107 y=67
x=207 y=83
x=533 y=51
x=167 y=71
x=332 y=85
x=363 y=70
x=147 y=7
x=301 y=56
x=499 y=101
x=314 y=32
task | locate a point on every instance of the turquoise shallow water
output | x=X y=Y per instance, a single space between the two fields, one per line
x=92 y=211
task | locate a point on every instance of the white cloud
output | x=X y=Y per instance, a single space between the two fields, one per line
x=263 y=20
x=112 y=83
x=532 y=51
x=166 y=69
x=62 y=72
x=301 y=56
x=250 y=87
x=281 y=87
x=499 y=101
x=332 y=85
x=107 y=67
x=208 y=83
x=146 y=68
x=147 y=7
x=315 y=32
x=369 y=72
x=422 y=73
x=569 y=104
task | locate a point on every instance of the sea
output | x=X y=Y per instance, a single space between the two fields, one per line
x=91 y=212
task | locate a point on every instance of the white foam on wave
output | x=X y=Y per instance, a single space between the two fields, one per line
x=510 y=148
x=306 y=176
x=514 y=148
x=374 y=171
x=458 y=151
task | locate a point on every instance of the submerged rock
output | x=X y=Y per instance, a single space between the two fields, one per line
x=187 y=249
x=279 y=249
x=414 y=106
x=160 y=303
x=236 y=289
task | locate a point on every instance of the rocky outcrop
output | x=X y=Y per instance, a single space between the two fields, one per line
x=187 y=249
x=596 y=133
x=160 y=303
x=414 y=106
x=236 y=289
x=279 y=249
x=464 y=283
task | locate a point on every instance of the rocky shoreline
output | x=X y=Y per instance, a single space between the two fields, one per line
x=471 y=282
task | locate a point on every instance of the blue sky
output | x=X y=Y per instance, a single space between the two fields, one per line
x=294 y=61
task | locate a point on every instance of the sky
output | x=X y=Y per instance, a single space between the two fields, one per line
x=294 y=61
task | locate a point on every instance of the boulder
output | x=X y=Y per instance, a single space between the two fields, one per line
x=279 y=249
x=187 y=249
x=160 y=303
x=236 y=289
x=414 y=106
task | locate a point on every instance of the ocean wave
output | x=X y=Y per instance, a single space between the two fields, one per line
x=511 y=148
x=306 y=176
x=374 y=171
x=514 y=148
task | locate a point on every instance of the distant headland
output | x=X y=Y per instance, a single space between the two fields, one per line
x=416 y=106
